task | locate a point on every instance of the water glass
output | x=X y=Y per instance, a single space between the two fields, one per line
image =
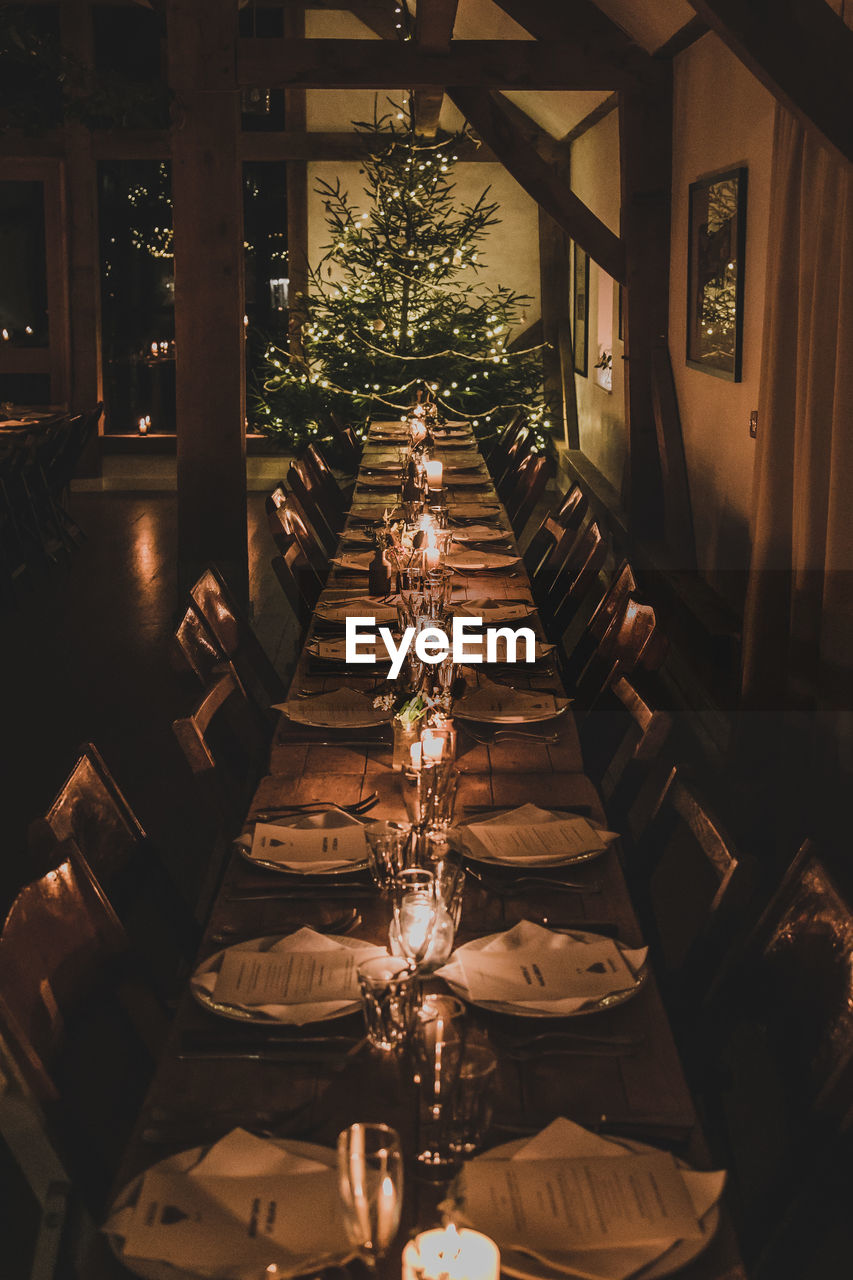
x=389 y=999
x=370 y=1185
x=437 y=794
x=473 y=1100
x=389 y=846
x=438 y=1049
x=415 y=912
x=448 y=869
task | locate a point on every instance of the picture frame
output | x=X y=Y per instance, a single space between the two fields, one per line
x=716 y=247
x=580 y=308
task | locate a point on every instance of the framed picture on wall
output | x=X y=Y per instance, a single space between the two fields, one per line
x=580 y=308
x=715 y=273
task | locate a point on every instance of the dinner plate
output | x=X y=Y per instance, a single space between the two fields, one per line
x=480 y=533
x=317 y=714
x=328 y=820
x=536 y=864
x=319 y=1011
x=523 y=1266
x=529 y=715
x=354 y=561
x=380 y=481
x=183 y=1162
x=478 y=561
x=609 y=1001
x=359 y=606
x=336 y=651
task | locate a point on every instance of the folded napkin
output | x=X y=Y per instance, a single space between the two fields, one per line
x=337 y=709
x=532 y=836
x=309 y=848
x=246 y=1206
x=336 y=650
x=357 y=607
x=472 y=560
x=532 y=968
x=354 y=561
x=473 y=508
x=492 y=610
x=566 y=1148
x=480 y=533
x=497 y=704
x=314 y=991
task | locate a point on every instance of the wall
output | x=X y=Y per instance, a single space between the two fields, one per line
x=601 y=414
x=717 y=129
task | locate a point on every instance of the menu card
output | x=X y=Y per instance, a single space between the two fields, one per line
x=251 y=978
x=499 y=703
x=360 y=606
x=587 y=1202
x=337 y=709
x=245 y=1206
x=309 y=848
x=558 y=841
x=491 y=610
x=587 y=971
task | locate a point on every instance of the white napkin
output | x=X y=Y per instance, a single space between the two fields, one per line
x=357 y=607
x=246 y=1205
x=354 y=561
x=492 y=610
x=498 y=704
x=309 y=849
x=472 y=560
x=294 y=1014
x=532 y=940
x=563 y=1139
x=336 y=650
x=574 y=836
x=337 y=709
x=480 y=533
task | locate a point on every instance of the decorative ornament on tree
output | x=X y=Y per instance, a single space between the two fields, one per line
x=396 y=304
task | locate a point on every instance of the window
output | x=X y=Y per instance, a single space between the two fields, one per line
x=266 y=271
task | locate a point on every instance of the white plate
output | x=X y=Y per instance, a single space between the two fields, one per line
x=517 y=1011
x=480 y=533
x=329 y=819
x=510 y=717
x=321 y=1011
x=522 y=1266
x=516 y=868
x=152 y=1268
x=317 y=714
x=478 y=561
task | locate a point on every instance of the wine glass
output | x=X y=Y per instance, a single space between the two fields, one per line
x=370 y=1185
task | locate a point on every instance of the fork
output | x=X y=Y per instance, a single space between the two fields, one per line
x=505 y=888
x=360 y=806
x=500 y=735
x=343 y=923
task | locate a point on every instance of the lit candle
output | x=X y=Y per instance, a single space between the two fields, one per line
x=432 y=746
x=415 y=753
x=435 y=471
x=448 y=1254
x=417 y=919
x=155 y=349
x=418 y=431
x=143 y=425
x=432 y=557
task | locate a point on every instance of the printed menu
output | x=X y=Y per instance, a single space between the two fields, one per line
x=586 y=971
x=308 y=845
x=557 y=841
x=253 y=978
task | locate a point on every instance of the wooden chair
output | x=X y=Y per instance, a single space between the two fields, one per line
x=115 y=854
x=237 y=640
x=518 y=450
x=774 y=1057
x=199 y=647
x=571 y=511
x=534 y=473
x=304 y=484
x=286 y=521
x=347 y=443
x=495 y=453
x=298 y=582
x=575 y=577
x=338 y=499
x=623 y=742
x=579 y=649
x=633 y=639
x=226 y=749
x=80 y=1027
x=690 y=885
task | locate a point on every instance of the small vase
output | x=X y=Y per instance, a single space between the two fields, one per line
x=404 y=735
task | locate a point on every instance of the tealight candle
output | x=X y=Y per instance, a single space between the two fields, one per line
x=432 y=746
x=435 y=471
x=448 y=1254
x=415 y=752
x=155 y=348
x=143 y=425
x=432 y=557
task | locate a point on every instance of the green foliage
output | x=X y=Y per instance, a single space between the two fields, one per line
x=396 y=299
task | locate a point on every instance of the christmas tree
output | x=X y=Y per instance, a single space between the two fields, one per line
x=396 y=301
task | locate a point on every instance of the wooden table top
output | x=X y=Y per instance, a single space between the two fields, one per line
x=201 y=1090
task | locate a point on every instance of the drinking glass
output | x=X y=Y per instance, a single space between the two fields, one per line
x=448 y=868
x=438 y=1048
x=437 y=794
x=389 y=848
x=473 y=1100
x=414 y=899
x=370 y=1185
x=389 y=1000
x=438 y=585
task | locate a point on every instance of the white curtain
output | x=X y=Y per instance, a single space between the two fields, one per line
x=798 y=625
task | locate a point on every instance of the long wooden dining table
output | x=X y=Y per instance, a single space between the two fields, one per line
x=215 y=1074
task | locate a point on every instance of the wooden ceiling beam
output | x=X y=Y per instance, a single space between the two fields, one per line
x=486 y=114
x=583 y=24
x=384 y=64
x=434 y=21
x=801 y=51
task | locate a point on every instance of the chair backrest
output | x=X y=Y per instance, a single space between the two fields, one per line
x=534 y=473
x=622 y=585
x=297 y=581
x=572 y=509
x=519 y=449
x=576 y=576
x=72 y=1022
x=331 y=490
x=780 y=1019
x=690 y=884
x=199 y=647
x=544 y=554
x=633 y=638
x=346 y=442
x=287 y=520
x=303 y=482
x=496 y=454
x=231 y=628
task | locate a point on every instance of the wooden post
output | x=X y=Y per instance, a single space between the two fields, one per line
x=209 y=332
x=645 y=150
x=295 y=119
x=557 y=358
x=84 y=276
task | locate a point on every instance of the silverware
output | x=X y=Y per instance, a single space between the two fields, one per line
x=343 y=923
x=365 y=803
x=307 y=893
x=510 y=886
x=548 y=739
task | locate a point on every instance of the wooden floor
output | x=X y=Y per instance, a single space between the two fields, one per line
x=87 y=654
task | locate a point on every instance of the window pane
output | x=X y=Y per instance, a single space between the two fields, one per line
x=262 y=109
x=138 y=294
x=23 y=277
x=266 y=272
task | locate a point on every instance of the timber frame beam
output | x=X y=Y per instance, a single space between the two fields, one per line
x=486 y=114
x=433 y=33
x=781 y=42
